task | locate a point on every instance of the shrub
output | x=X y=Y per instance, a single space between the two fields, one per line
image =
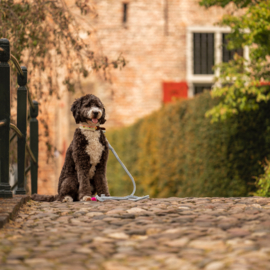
x=263 y=182
x=176 y=151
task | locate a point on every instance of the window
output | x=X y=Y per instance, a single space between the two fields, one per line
x=199 y=88
x=206 y=47
x=125 y=10
x=203 y=51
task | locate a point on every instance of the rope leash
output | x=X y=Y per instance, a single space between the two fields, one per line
x=130 y=197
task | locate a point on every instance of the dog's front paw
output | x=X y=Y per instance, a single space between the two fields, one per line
x=86 y=198
x=67 y=199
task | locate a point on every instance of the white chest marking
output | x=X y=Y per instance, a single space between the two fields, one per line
x=94 y=149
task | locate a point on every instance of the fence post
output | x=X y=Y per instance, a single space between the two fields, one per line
x=5 y=191
x=34 y=145
x=21 y=124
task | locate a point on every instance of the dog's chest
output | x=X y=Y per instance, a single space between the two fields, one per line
x=94 y=148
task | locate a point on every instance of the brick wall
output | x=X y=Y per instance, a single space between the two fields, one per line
x=153 y=42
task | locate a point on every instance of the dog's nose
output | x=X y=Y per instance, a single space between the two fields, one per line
x=95 y=114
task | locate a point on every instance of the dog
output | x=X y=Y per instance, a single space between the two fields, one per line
x=84 y=170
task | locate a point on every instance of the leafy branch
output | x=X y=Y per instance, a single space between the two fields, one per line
x=243 y=83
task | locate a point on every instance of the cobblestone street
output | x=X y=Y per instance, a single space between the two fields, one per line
x=173 y=233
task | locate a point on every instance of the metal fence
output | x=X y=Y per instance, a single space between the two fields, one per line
x=23 y=97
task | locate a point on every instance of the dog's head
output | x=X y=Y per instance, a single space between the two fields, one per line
x=88 y=109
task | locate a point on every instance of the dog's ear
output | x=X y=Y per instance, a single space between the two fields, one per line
x=75 y=108
x=102 y=118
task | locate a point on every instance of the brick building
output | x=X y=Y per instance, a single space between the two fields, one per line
x=170 y=47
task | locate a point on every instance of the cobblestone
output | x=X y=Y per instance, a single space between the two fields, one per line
x=10 y=207
x=172 y=233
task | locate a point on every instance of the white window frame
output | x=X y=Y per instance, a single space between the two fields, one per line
x=205 y=78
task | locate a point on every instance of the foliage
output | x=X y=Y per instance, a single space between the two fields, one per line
x=223 y=3
x=51 y=40
x=176 y=151
x=243 y=84
x=49 y=35
x=263 y=182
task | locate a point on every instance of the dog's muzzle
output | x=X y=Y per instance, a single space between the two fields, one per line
x=94 y=114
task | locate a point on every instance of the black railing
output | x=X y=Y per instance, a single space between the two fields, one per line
x=20 y=130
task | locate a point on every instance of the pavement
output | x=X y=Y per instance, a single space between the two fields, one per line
x=172 y=233
x=9 y=207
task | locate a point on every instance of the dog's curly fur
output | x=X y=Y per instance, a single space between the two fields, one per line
x=84 y=170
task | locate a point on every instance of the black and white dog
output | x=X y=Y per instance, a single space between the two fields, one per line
x=84 y=170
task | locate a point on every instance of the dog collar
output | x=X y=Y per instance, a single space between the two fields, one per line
x=92 y=128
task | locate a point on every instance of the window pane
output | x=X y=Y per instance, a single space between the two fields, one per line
x=199 y=88
x=227 y=55
x=203 y=52
x=196 y=53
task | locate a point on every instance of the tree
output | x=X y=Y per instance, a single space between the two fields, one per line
x=48 y=38
x=243 y=84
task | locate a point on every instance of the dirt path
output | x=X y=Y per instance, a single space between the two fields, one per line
x=173 y=233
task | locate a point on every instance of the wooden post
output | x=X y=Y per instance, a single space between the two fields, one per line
x=5 y=191
x=34 y=145
x=21 y=124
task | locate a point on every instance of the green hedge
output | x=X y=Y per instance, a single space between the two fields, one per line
x=176 y=151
